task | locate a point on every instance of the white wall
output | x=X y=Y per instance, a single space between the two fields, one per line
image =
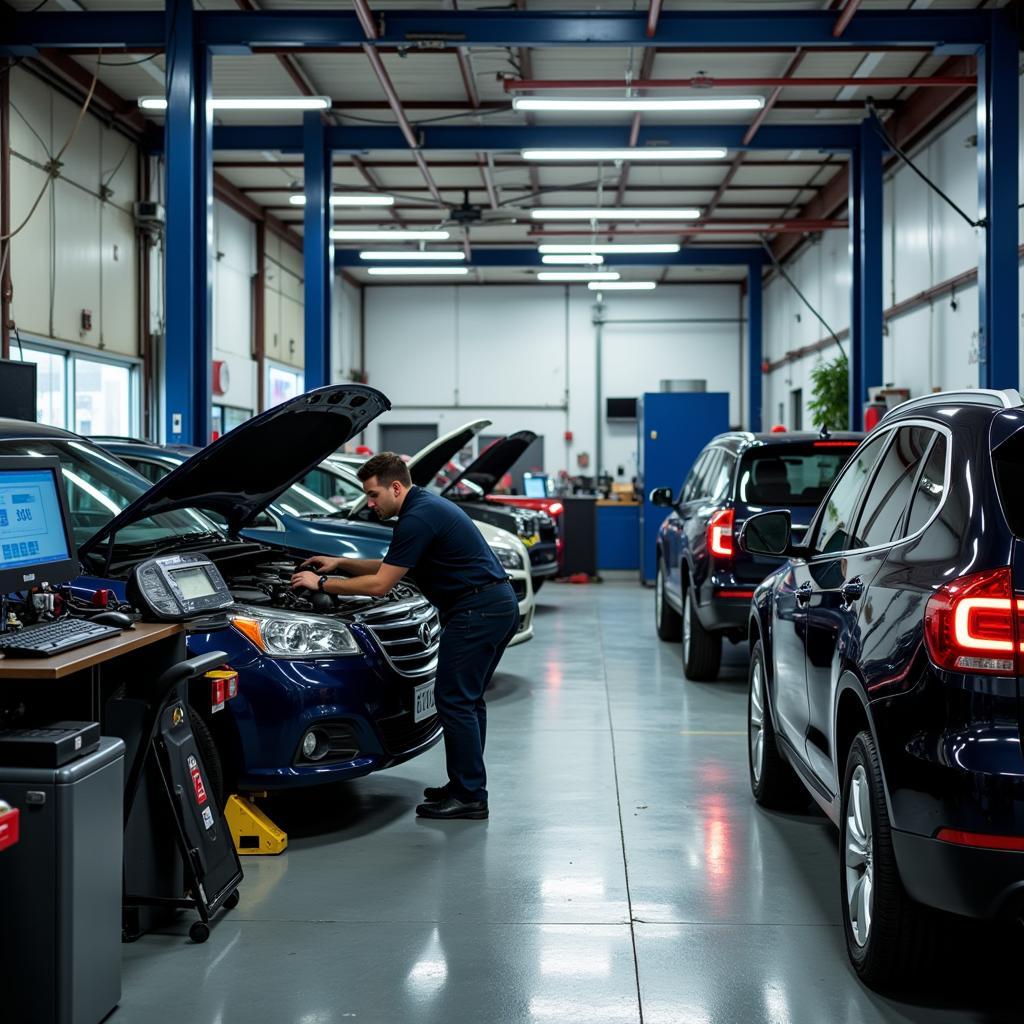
x=925 y=243
x=234 y=268
x=346 y=329
x=524 y=356
x=78 y=251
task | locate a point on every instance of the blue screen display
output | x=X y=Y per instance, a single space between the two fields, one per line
x=31 y=525
x=535 y=486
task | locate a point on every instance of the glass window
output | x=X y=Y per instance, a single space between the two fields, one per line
x=299 y=501
x=930 y=487
x=721 y=477
x=835 y=522
x=103 y=394
x=791 y=474
x=336 y=488
x=891 y=487
x=152 y=471
x=282 y=384
x=227 y=417
x=51 y=386
x=708 y=473
x=693 y=478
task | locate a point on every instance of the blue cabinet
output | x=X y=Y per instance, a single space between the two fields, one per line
x=673 y=428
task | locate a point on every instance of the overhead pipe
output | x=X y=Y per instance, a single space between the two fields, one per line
x=370 y=28
x=773 y=99
x=653 y=13
x=845 y=17
x=705 y=82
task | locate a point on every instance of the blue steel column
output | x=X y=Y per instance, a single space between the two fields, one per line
x=998 y=355
x=755 y=334
x=866 y=223
x=188 y=163
x=317 y=254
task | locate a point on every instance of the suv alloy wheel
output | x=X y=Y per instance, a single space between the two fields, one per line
x=702 y=650
x=889 y=937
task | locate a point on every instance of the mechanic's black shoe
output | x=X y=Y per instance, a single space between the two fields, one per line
x=453 y=807
x=434 y=793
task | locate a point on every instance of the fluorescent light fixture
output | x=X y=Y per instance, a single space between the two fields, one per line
x=248 y=103
x=622 y=213
x=418 y=271
x=634 y=103
x=578 y=259
x=623 y=286
x=608 y=248
x=645 y=153
x=411 y=254
x=348 y=200
x=577 y=275
x=387 y=235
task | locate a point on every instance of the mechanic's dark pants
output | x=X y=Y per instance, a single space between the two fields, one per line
x=476 y=632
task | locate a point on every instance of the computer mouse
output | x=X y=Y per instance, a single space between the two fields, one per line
x=112 y=618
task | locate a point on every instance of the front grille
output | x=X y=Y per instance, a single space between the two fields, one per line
x=408 y=631
x=519 y=586
x=400 y=733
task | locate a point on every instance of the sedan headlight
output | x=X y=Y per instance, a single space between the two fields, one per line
x=290 y=635
x=509 y=557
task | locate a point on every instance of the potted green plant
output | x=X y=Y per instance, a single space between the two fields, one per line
x=830 y=395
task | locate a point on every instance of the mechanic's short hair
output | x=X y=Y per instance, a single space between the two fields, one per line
x=387 y=467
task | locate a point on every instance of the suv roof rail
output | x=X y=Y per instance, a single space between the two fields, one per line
x=117 y=437
x=1007 y=399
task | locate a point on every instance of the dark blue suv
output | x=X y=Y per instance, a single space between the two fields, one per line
x=886 y=664
x=704 y=585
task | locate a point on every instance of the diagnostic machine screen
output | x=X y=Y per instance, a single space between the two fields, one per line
x=31 y=525
x=193 y=583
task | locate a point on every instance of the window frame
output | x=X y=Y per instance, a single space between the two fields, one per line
x=876 y=469
x=71 y=354
x=937 y=428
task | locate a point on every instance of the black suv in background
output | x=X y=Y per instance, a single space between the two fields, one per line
x=704 y=584
x=885 y=673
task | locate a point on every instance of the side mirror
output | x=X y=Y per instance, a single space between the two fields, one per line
x=768 y=533
x=662 y=497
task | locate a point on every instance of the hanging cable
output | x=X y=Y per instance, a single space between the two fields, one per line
x=890 y=142
x=803 y=298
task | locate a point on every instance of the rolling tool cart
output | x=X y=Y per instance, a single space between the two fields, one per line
x=169 y=807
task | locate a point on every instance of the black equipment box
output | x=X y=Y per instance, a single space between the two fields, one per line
x=49 y=747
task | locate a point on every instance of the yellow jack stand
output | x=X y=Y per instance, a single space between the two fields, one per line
x=252 y=831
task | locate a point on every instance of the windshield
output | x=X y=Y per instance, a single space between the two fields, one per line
x=300 y=501
x=333 y=485
x=99 y=486
x=791 y=475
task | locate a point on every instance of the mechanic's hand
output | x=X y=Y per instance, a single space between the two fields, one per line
x=322 y=565
x=309 y=580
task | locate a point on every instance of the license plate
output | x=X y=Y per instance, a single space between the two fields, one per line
x=423 y=702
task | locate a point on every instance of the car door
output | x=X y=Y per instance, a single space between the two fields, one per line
x=792 y=648
x=675 y=530
x=840 y=578
x=695 y=514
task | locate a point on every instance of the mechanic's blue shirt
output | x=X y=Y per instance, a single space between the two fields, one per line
x=444 y=547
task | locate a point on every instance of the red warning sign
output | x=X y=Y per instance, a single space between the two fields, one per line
x=197 y=780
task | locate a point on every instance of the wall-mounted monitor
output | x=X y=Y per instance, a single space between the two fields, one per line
x=620 y=408
x=17 y=390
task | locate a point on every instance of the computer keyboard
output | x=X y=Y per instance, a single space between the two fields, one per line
x=49 y=638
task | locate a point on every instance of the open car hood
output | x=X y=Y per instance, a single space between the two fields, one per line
x=431 y=459
x=494 y=462
x=242 y=472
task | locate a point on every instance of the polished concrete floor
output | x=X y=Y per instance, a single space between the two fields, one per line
x=625 y=874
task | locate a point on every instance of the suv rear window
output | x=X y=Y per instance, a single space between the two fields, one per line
x=1008 y=461
x=791 y=474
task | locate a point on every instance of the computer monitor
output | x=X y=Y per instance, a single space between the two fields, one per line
x=535 y=486
x=36 y=541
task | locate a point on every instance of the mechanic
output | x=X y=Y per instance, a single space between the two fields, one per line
x=459 y=574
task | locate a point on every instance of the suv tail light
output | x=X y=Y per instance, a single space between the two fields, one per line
x=973 y=624
x=719 y=537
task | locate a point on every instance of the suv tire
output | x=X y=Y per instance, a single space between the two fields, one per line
x=772 y=780
x=667 y=621
x=702 y=650
x=889 y=937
